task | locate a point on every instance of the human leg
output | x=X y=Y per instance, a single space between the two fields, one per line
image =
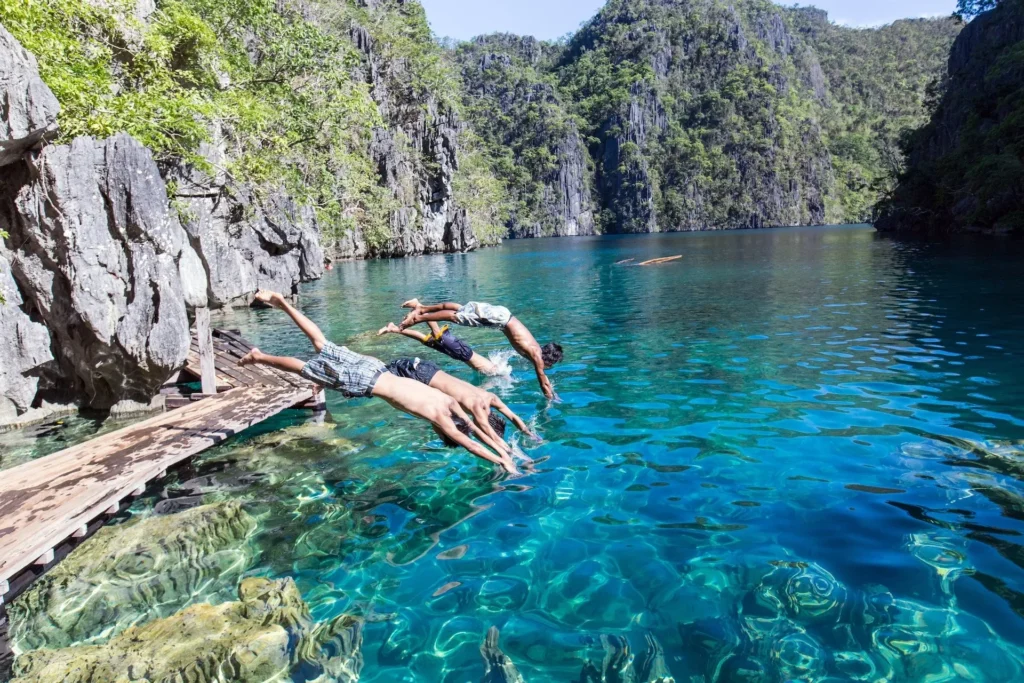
x=305 y=324
x=285 y=363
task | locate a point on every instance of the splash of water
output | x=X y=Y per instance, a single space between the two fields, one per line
x=502 y=361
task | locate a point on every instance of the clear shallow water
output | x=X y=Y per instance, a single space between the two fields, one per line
x=795 y=454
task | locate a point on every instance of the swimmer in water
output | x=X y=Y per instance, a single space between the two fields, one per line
x=477 y=314
x=442 y=340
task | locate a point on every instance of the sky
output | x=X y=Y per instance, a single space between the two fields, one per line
x=550 y=19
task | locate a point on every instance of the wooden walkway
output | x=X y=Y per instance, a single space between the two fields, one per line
x=49 y=505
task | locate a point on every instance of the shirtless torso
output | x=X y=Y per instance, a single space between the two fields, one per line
x=526 y=345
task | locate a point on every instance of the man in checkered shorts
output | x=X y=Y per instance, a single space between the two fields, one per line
x=355 y=375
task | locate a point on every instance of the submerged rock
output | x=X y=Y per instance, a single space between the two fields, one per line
x=499 y=668
x=29 y=111
x=265 y=636
x=131 y=573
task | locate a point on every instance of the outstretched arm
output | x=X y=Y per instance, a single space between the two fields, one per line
x=483 y=431
x=448 y=427
x=545 y=383
x=305 y=324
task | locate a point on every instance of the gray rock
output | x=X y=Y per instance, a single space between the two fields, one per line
x=417 y=154
x=129 y=408
x=499 y=71
x=97 y=255
x=24 y=348
x=28 y=110
x=240 y=242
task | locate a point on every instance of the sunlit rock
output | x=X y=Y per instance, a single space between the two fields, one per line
x=265 y=636
x=498 y=667
x=134 y=572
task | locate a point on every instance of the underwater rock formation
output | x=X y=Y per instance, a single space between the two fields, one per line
x=498 y=667
x=620 y=666
x=264 y=636
x=133 y=572
x=800 y=623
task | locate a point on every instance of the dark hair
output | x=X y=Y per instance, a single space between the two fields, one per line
x=461 y=425
x=551 y=353
x=497 y=423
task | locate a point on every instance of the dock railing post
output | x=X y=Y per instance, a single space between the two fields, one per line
x=207 y=366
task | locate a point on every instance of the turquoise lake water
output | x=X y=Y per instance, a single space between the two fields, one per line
x=792 y=455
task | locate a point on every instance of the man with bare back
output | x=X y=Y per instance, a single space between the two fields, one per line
x=476 y=314
x=355 y=375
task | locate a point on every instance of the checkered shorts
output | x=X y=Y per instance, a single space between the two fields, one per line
x=477 y=314
x=352 y=374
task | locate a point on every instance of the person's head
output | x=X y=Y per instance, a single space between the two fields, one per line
x=551 y=353
x=497 y=423
x=460 y=424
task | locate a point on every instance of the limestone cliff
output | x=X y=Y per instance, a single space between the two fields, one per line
x=544 y=162
x=965 y=167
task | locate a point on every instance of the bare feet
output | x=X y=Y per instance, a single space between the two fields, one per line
x=251 y=358
x=269 y=298
x=412 y=303
x=410 y=319
x=389 y=328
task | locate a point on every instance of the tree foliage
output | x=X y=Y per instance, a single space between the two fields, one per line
x=972 y=8
x=281 y=85
x=727 y=113
x=968 y=170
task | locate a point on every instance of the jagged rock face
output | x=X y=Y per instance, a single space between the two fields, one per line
x=964 y=166
x=132 y=573
x=264 y=636
x=625 y=180
x=245 y=242
x=764 y=183
x=102 y=262
x=502 y=77
x=416 y=154
x=28 y=114
x=28 y=110
x=24 y=348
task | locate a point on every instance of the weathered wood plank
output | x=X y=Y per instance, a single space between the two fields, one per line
x=46 y=501
x=204 y=337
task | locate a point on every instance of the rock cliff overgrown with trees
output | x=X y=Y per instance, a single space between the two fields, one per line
x=966 y=166
x=701 y=114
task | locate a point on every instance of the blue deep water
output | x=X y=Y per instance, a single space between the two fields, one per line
x=791 y=455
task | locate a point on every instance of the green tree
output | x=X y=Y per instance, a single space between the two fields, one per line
x=972 y=8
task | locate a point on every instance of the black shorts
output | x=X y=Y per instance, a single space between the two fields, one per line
x=414 y=368
x=451 y=346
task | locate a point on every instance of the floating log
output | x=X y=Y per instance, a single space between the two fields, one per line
x=664 y=259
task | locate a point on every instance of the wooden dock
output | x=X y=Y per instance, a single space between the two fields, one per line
x=48 y=506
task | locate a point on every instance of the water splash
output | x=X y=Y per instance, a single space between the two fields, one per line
x=502 y=360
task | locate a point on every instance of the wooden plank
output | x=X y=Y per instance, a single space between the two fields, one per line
x=204 y=337
x=46 y=501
